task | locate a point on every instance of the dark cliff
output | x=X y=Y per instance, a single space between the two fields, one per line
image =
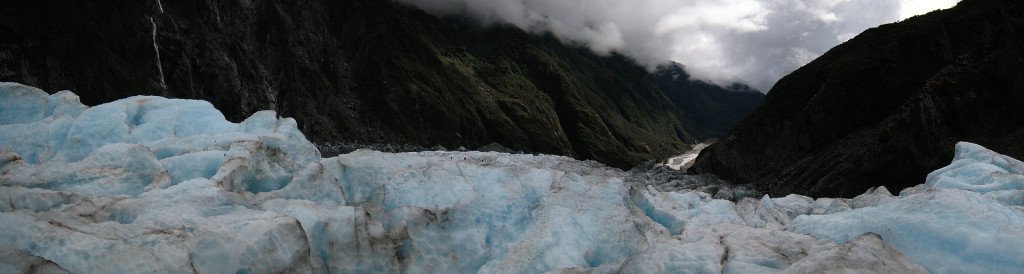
x=886 y=107
x=367 y=71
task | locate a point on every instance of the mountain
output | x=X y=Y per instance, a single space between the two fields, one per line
x=886 y=107
x=368 y=72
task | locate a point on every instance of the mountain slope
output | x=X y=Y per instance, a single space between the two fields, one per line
x=886 y=107
x=370 y=72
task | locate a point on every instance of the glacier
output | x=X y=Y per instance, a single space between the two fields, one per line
x=150 y=184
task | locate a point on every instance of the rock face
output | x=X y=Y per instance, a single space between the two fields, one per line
x=368 y=71
x=886 y=107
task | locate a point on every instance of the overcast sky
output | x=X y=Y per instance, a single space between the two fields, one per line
x=751 y=41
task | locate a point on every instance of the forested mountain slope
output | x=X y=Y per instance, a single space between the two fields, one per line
x=886 y=107
x=368 y=71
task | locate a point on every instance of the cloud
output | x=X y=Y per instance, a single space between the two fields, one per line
x=721 y=41
x=909 y=8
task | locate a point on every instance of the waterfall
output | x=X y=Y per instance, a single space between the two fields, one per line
x=156 y=47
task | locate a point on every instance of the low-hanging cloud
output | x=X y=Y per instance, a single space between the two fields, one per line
x=722 y=41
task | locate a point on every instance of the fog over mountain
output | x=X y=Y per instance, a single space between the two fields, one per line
x=751 y=41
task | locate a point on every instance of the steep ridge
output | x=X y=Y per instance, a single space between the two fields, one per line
x=369 y=72
x=886 y=107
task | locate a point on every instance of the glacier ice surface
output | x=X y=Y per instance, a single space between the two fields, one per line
x=866 y=253
x=149 y=184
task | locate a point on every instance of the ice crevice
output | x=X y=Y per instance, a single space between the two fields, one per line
x=150 y=184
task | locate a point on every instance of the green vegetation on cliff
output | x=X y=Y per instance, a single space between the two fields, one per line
x=372 y=72
x=887 y=107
